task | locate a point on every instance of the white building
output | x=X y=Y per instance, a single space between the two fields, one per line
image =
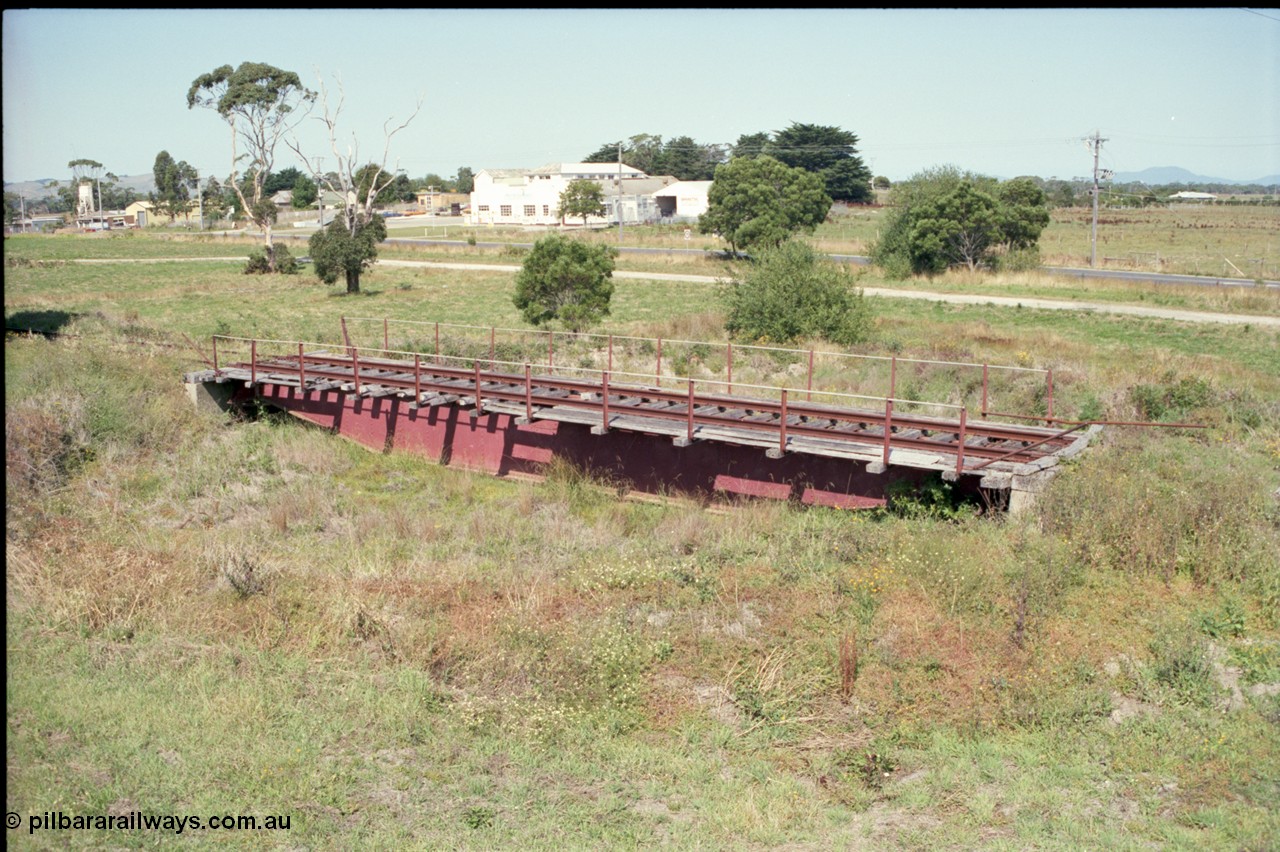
x=683 y=201
x=532 y=196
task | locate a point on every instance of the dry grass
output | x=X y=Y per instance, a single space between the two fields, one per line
x=430 y=644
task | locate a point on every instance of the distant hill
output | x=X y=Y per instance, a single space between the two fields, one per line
x=1163 y=175
x=141 y=184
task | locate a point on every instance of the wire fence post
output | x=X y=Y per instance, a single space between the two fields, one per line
x=1049 y=379
x=984 y=390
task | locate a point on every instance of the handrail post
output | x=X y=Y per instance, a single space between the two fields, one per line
x=604 y=425
x=888 y=429
x=690 y=412
x=346 y=338
x=528 y=394
x=216 y=372
x=964 y=411
x=782 y=441
x=355 y=368
x=476 y=364
x=417 y=379
x=302 y=370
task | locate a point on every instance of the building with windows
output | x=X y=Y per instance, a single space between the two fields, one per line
x=532 y=196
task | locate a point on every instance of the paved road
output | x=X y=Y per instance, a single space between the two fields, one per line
x=949 y=298
x=856 y=259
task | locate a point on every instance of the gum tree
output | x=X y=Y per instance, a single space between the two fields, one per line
x=348 y=245
x=261 y=104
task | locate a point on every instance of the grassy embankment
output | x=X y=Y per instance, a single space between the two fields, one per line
x=207 y=616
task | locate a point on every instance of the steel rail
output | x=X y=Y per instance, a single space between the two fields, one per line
x=931 y=434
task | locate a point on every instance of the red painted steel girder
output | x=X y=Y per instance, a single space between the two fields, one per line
x=382 y=376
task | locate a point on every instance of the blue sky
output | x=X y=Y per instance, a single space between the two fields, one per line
x=1001 y=92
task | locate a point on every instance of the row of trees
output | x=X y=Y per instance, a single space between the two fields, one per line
x=788 y=290
x=938 y=219
x=829 y=152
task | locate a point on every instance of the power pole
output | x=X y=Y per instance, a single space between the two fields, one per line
x=1095 y=144
x=199 y=197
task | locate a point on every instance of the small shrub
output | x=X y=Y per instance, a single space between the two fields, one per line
x=876 y=768
x=933 y=498
x=240 y=571
x=567 y=280
x=794 y=292
x=1226 y=622
x=257 y=264
x=1259 y=661
x=1019 y=260
x=1180 y=661
x=1172 y=399
x=44 y=444
x=286 y=263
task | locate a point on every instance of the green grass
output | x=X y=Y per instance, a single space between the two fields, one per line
x=209 y=616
